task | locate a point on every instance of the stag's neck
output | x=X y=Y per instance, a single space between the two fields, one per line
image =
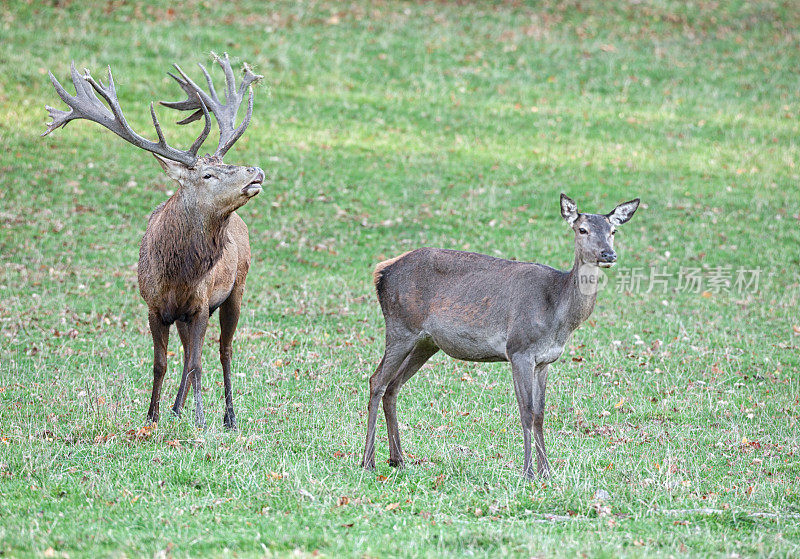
x=187 y=240
x=581 y=292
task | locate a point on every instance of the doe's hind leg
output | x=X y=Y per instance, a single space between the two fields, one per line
x=416 y=359
x=396 y=352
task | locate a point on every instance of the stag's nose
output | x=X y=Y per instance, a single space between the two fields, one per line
x=259 y=173
x=254 y=187
x=608 y=256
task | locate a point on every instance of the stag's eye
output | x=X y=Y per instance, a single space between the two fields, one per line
x=614 y=232
x=207 y=176
x=582 y=231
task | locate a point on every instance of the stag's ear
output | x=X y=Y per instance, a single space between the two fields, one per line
x=569 y=209
x=623 y=212
x=174 y=170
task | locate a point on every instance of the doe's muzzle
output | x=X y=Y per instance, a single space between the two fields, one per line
x=607 y=258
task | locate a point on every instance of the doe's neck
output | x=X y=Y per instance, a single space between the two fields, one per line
x=583 y=282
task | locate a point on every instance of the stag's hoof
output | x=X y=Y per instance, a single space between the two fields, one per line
x=368 y=464
x=396 y=463
x=531 y=475
x=229 y=422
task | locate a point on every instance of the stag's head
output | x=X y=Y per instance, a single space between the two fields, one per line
x=208 y=180
x=594 y=233
x=214 y=185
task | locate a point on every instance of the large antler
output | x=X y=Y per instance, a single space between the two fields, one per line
x=225 y=113
x=85 y=104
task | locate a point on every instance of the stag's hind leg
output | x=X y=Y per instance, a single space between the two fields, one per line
x=160 y=332
x=192 y=337
x=396 y=352
x=183 y=390
x=423 y=351
x=228 y=320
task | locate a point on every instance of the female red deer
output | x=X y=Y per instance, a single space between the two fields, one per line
x=479 y=308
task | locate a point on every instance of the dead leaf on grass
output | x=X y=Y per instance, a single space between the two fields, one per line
x=142 y=433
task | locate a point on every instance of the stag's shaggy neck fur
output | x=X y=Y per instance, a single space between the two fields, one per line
x=183 y=242
x=191 y=240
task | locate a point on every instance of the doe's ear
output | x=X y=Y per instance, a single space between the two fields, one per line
x=173 y=169
x=569 y=209
x=623 y=212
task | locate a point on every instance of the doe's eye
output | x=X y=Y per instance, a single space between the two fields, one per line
x=207 y=176
x=614 y=232
x=582 y=231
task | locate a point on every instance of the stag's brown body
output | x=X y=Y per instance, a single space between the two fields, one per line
x=183 y=268
x=193 y=260
x=195 y=253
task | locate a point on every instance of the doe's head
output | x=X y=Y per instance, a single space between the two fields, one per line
x=594 y=233
x=214 y=184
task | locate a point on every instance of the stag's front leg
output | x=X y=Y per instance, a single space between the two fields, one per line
x=522 y=367
x=228 y=320
x=193 y=350
x=160 y=332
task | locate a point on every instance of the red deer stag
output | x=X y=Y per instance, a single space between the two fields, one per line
x=195 y=253
x=479 y=308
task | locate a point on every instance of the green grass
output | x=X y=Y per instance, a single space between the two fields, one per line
x=384 y=128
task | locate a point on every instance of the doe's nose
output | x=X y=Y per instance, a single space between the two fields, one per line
x=608 y=256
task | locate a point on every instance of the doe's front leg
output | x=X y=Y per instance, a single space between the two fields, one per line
x=539 y=386
x=529 y=383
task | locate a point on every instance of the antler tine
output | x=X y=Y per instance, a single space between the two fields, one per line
x=226 y=112
x=206 y=129
x=223 y=148
x=61 y=118
x=230 y=81
x=209 y=81
x=85 y=104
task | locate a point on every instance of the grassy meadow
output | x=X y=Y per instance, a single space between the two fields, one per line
x=671 y=418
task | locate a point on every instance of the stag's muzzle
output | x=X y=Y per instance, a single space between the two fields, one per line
x=254 y=186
